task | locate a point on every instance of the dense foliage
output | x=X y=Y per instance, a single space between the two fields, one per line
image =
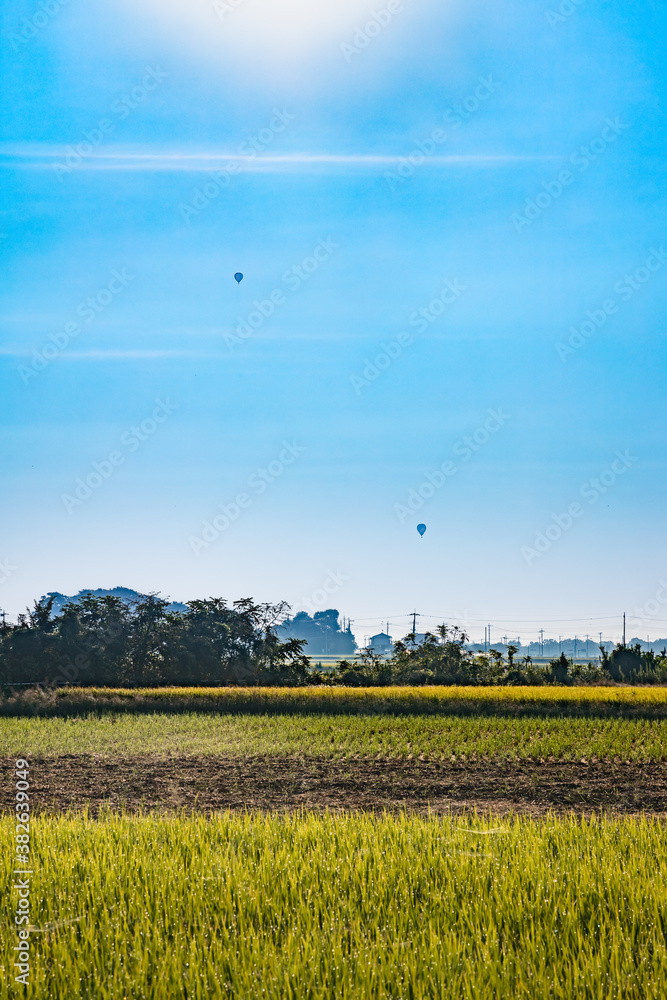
x=102 y=640
x=443 y=658
x=323 y=633
x=106 y=641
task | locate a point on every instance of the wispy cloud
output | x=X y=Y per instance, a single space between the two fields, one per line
x=132 y=354
x=40 y=157
x=135 y=354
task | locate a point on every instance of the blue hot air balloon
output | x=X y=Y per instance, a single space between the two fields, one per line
x=421 y=528
x=239 y=277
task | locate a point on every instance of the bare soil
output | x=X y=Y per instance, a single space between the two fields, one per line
x=270 y=783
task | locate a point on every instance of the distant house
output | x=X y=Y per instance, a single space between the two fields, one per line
x=380 y=643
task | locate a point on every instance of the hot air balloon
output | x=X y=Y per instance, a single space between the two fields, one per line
x=421 y=528
x=239 y=277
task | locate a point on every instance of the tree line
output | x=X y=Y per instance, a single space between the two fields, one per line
x=104 y=641
x=442 y=658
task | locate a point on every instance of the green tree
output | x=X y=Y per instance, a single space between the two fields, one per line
x=558 y=669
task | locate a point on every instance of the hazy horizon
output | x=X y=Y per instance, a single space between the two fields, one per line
x=488 y=632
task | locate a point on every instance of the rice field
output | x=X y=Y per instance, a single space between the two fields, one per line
x=432 y=737
x=306 y=906
x=354 y=903
x=338 y=700
x=468 y=723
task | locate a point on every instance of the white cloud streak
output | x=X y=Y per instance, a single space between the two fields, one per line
x=194 y=162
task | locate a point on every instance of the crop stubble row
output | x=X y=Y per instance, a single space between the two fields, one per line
x=340 y=736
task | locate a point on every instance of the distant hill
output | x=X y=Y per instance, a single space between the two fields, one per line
x=125 y=594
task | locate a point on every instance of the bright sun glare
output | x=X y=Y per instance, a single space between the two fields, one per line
x=279 y=30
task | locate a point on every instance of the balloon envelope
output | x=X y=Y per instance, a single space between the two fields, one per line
x=421 y=528
x=239 y=277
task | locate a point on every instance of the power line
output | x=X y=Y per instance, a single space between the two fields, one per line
x=523 y=621
x=507 y=621
x=411 y=617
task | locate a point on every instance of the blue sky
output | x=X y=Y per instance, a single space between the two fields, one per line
x=356 y=162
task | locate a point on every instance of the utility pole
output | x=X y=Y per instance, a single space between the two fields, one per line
x=414 y=625
x=624 y=628
x=489 y=631
x=541 y=642
x=575 y=648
